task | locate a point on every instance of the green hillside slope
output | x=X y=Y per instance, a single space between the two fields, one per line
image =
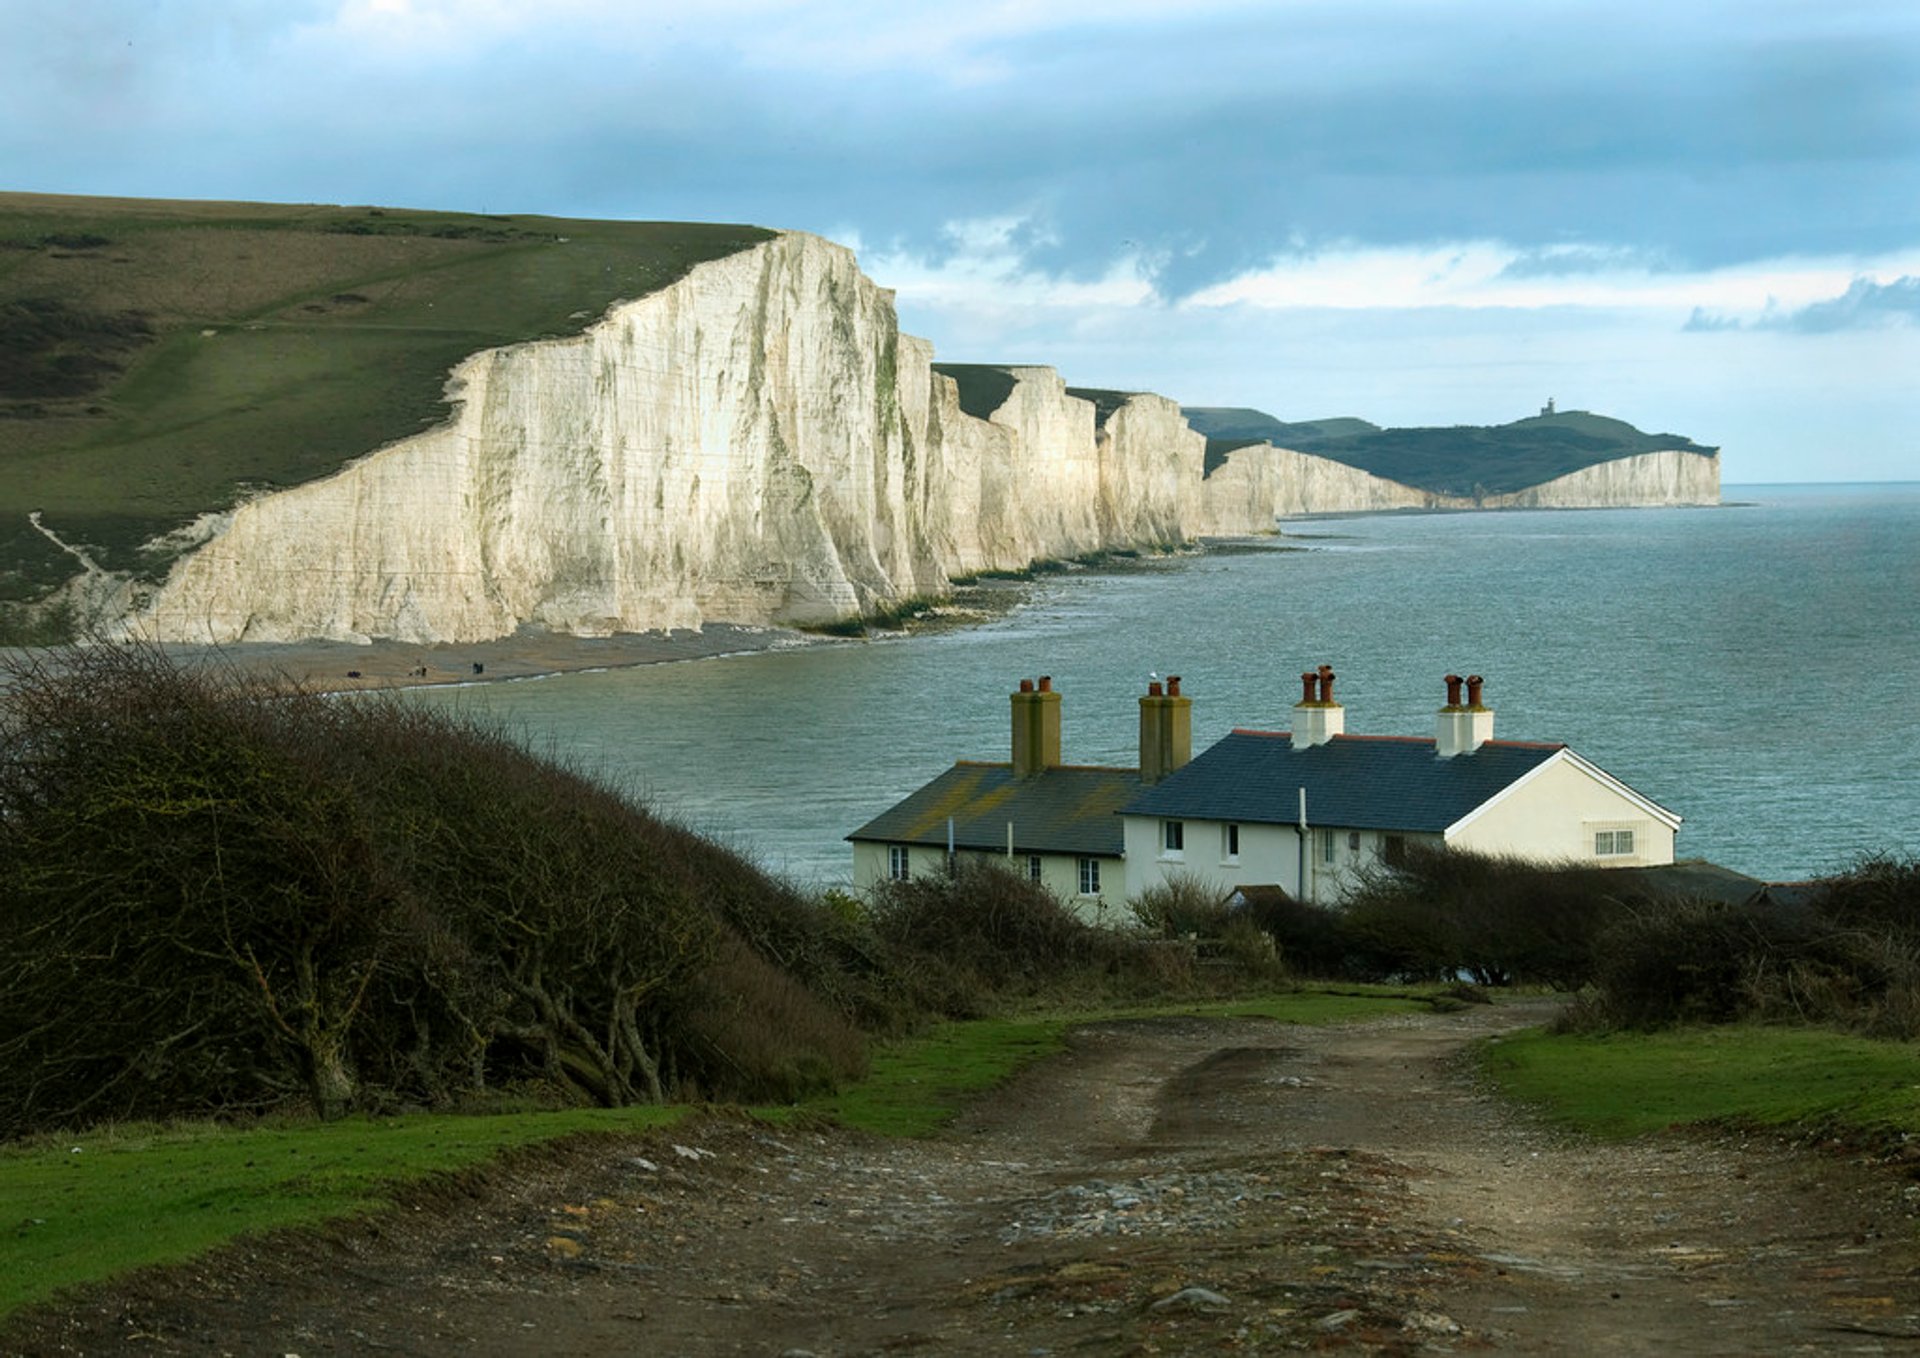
x=1464 y=460
x=159 y=358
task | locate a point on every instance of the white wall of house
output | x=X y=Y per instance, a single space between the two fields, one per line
x=1559 y=812
x=1268 y=854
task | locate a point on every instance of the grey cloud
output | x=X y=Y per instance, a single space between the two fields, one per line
x=1209 y=145
x=1703 y=321
x=1866 y=304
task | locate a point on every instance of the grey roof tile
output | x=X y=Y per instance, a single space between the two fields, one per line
x=1357 y=782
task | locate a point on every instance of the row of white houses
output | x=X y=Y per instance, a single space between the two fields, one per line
x=1302 y=810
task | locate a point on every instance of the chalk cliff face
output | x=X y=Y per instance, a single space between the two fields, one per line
x=1664 y=478
x=755 y=443
x=1296 y=484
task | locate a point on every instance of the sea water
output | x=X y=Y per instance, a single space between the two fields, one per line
x=1753 y=667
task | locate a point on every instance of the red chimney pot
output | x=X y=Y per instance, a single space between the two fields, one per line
x=1474 y=682
x=1309 y=688
x=1326 y=683
x=1153 y=689
x=1046 y=683
x=1173 y=686
x=1453 y=690
x=1026 y=685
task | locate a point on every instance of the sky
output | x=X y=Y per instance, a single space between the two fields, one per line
x=1700 y=216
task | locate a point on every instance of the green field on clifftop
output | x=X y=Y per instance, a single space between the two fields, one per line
x=158 y=359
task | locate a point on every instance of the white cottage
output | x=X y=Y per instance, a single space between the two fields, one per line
x=1306 y=810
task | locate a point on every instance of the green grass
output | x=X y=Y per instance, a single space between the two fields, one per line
x=332 y=333
x=1628 y=1084
x=87 y=1207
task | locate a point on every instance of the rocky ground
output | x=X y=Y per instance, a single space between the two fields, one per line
x=1163 y=1187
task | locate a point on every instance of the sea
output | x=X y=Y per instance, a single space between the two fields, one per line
x=1754 y=667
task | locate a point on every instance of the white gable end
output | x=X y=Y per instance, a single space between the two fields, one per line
x=1569 y=809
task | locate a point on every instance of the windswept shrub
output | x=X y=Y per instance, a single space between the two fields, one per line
x=222 y=894
x=1442 y=912
x=1848 y=955
x=960 y=938
x=1181 y=907
x=1312 y=940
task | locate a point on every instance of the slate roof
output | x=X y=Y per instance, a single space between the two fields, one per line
x=1354 y=782
x=1067 y=809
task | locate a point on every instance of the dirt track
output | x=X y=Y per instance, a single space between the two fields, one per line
x=1164 y=1187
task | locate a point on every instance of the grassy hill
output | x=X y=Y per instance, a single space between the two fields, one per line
x=1461 y=460
x=159 y=358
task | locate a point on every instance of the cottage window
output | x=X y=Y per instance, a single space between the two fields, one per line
x=1393 y=848
x=897 y=867
x=1353 y=841
x=1612 y=843
x=1033 y=867
x=1326 y=846
x=1230 y=843
x=1089 y=877
x=1174 y=837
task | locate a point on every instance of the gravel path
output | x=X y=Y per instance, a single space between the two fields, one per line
x=1177 y=1186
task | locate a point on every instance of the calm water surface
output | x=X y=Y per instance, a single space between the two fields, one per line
x=1754 y=667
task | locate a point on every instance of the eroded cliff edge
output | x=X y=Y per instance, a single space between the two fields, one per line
x=755 y=443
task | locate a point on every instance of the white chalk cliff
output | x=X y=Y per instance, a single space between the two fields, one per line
x=754 y=443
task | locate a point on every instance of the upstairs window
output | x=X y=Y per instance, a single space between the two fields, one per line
x=1612 y=843
x=1326 y=846
x=1089 y=877
x=1230 y=843
x=897 y=867
x=1174 y=837
x=1033 y=867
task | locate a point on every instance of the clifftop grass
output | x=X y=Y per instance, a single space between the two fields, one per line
x=158 y=359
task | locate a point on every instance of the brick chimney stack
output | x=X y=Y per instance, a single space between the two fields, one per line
x=1166 y=730
x=1462 y=727
x=1318 y=718
x=1036 y=728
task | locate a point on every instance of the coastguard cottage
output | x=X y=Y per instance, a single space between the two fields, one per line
x=1304 y=811
x=1308 y=809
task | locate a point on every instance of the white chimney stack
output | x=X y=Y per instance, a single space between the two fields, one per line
x=1463 y=727
x=1318 y=718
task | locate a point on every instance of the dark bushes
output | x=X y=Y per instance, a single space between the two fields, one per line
x=1440 y=913
x=1847 y=955
x=958 y=941
x=217 y=894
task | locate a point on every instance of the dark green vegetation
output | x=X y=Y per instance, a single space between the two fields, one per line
x=1469 y=461
x=157 y=359
x=221 y=897
x=1104 y=402
x=1641 y=949
x=984 y=387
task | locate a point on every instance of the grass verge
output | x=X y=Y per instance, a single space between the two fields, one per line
x=87 y=1207
x=1628 y=1084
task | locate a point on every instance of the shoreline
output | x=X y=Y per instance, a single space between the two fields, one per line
x=383 y=664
